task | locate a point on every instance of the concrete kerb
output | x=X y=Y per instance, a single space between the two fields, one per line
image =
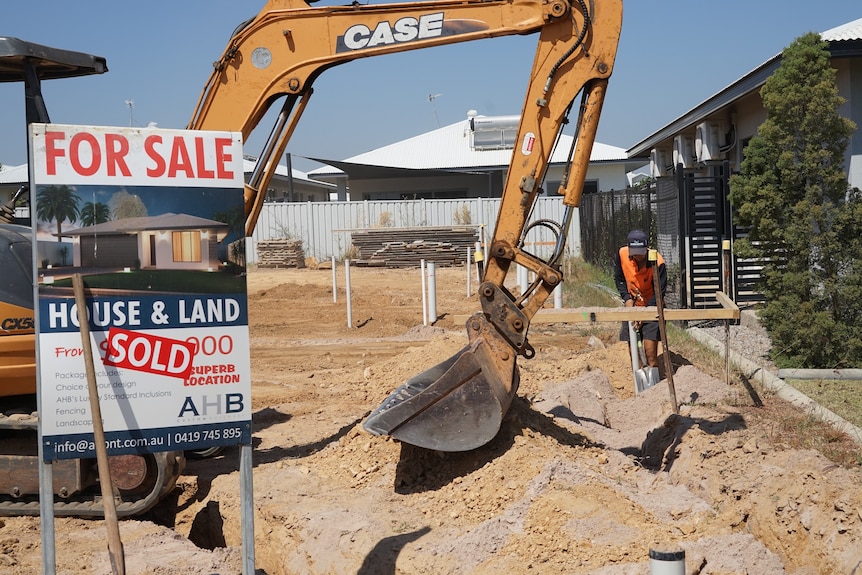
x=773 y=383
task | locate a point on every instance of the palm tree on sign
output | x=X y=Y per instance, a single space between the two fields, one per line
x=95 y=213
x=58 y=203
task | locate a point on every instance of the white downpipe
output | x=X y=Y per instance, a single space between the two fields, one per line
x=347 y=289
x=558 y=296
x=424 y=296
x=432 y=294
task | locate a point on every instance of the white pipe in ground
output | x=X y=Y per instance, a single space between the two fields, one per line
x=469 y=274
x=424 y=294
x=667 y=561
x=432 y=294
x=334 y=283
x=347 y=289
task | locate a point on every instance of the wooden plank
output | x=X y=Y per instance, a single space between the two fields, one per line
x=620 y=314
x=725 y=301
x=608 y=314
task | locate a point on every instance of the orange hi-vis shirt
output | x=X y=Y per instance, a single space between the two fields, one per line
x=638 y=280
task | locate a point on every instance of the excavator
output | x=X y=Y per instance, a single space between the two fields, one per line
x=270 y=63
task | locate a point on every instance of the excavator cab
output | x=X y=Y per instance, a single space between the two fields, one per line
x=22 y=61
x=140 y=481
x=30 y=63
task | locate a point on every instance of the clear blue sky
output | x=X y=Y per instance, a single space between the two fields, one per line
x=673 y=55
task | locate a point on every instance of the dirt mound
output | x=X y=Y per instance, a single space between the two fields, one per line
x=583 y=478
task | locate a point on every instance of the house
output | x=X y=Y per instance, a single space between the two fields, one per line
x=693 y=157
x=467 y=159
x=297 y=188
x=718 y=129
x=166 y=241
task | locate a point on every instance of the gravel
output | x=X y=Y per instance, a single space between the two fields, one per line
x=748 y=339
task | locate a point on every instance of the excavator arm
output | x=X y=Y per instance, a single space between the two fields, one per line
x=459 y=404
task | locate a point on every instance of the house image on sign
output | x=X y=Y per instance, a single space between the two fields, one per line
x=166 y=242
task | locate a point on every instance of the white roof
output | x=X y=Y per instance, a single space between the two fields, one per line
x=849 y=31
x=14 y=174
x=449 y=148
x=281 y=170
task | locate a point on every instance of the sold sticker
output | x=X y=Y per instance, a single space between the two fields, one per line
x=149 y=353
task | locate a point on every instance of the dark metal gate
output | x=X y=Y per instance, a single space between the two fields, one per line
x=703 y=225
x=689 y=219
x=706 y=222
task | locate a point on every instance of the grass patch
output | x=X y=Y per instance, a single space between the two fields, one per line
x=178 y=281
x=841 y=396
x=705 y=358
x=588 y=286
x=787 y=425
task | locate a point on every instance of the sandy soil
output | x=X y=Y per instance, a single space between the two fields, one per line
x=583 y=478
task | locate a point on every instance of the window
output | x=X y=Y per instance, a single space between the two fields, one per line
x=187 y=246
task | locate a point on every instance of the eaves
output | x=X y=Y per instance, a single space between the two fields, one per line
x=722 y=99
x=745 y=85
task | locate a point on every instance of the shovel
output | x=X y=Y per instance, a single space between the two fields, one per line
x=644 y=375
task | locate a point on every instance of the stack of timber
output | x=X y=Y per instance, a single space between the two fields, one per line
x=407 y=247
x=281 y=253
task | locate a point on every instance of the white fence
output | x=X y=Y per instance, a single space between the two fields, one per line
x=324 y=227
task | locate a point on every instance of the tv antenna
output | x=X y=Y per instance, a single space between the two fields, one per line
x=431 y=98
x=131 y=104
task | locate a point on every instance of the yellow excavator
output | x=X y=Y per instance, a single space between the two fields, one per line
x=273 y=59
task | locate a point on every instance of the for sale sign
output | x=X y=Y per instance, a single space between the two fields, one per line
x=153 y=222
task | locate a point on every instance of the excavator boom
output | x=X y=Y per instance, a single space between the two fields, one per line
x=273 y=59
x=459 y=404
x=278 y=54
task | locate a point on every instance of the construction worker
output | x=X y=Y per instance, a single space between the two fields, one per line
x=633 y=274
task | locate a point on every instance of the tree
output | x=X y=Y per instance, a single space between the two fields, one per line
x=58 y=203
x=125 y=205
x=802 y=219
x=235 y=218
x=95 y=213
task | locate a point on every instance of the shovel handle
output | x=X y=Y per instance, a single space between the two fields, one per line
x=659 y=302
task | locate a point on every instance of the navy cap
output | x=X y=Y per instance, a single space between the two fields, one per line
x=638 y=243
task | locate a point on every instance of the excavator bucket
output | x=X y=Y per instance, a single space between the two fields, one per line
x=457 y=405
